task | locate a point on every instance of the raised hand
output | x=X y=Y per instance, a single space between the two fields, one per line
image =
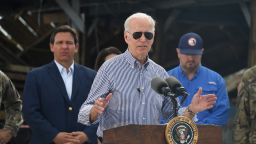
x=202 y=102
x=99 y=107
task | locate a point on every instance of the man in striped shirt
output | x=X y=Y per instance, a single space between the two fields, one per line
x=121 y=93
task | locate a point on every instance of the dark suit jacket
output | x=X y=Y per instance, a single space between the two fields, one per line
x=46 y=106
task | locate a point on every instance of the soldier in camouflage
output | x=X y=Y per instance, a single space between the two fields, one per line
x=245 y=121
x=11 y=101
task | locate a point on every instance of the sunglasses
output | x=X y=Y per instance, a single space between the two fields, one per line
x=137 y=35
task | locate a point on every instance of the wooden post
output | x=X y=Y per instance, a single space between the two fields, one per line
x=252 y=45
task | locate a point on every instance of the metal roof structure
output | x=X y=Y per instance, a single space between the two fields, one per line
x=25 y=27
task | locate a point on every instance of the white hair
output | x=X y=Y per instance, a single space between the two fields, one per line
x=139 y=15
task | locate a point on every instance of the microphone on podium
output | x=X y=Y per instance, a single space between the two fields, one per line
x=161 y=87
x=177 y=88
x=169 y=87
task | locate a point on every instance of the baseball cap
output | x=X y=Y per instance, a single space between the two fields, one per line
x=191 y=44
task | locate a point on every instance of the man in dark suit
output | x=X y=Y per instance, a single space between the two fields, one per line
x=54 y=93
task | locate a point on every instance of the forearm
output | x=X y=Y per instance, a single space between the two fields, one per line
x=84 y=114
x=13 y=117
x=39 y=123
x=13 y=106
x=13 y=122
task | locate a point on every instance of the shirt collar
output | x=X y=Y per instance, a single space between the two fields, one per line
x=62 y=69
x=133 y=62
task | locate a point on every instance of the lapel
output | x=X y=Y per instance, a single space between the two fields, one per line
x=75 y=85
x=55 y=74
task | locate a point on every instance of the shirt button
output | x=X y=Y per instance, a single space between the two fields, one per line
x=70 y=108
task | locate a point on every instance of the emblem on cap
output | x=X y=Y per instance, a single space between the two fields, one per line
x=192 y=41
x=181 y=130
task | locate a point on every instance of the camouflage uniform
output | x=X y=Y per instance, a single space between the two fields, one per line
x=245 y=121
x=10 y=98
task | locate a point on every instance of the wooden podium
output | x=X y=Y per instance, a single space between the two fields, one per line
x=155 y=134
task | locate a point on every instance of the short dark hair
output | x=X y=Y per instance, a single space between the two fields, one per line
x=64 y=28
x=103 y=54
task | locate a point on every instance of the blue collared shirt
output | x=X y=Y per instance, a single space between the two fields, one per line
x=133 y=101
x=212 y=83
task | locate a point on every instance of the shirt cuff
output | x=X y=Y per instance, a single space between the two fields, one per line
x=84 y=115
x=182 y=110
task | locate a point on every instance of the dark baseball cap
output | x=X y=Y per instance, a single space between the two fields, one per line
x=191 y=44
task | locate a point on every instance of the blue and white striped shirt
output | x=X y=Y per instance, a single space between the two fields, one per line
x=133 y=101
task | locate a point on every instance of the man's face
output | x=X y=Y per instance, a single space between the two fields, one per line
x=139 y=46
x=189 y=62
x=64 y=47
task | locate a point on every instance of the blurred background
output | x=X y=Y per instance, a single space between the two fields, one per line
x=228 y=28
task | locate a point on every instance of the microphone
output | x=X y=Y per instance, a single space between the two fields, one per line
x=161 y=87
x=138 y=89
x=177 y=88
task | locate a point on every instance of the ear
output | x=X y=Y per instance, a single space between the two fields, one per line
x=51 y=47
x=178 y=52
x=126 y=37
x=77 y=47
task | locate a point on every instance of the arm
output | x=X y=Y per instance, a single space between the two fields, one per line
x=95 y=103
x=32 y=109
x=12 y=104
x=242 y=118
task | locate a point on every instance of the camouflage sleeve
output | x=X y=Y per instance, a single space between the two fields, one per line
x=245 y=125
x=241 y=123
x=12 y=104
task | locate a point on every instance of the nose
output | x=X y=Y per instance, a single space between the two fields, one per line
x=190 y=57
x=64 y=45
x=142 y=38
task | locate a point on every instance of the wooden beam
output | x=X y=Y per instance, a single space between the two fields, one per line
x=71 y=12
x=56 y=17
x=252 y=47
x=246 y=13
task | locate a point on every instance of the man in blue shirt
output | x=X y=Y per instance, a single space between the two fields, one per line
x=193 y=75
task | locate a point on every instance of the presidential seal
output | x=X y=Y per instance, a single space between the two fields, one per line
x=181 y=130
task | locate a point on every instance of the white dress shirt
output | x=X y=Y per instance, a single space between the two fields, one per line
x=67 y=76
